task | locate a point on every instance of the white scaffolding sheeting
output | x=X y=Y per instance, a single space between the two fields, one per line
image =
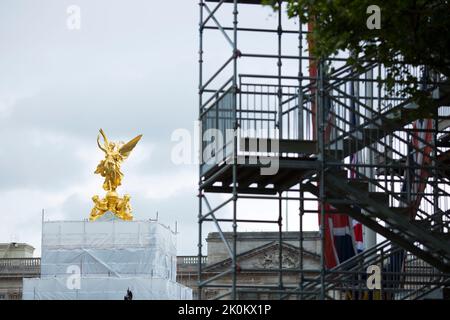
x=107 y=234
x=109 y=256
x=104 y=288
x=112 y=248
x=110 y=262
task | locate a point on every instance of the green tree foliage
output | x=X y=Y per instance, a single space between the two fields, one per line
x=416 y=30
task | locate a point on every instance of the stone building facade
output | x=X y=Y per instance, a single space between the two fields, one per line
x=257 y=254
x=255 y=250
x=16 y=263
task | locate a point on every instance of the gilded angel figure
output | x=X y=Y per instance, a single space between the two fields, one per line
x=115 y=153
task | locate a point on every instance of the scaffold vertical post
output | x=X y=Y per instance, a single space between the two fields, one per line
x=321 y=140
x=200 y=156
x=235 y=142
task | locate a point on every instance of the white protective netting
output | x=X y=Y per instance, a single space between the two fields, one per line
x=107 y=258
x=104 y=288
x=108 y=248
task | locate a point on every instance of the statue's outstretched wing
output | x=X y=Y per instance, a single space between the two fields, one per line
x=127 y=147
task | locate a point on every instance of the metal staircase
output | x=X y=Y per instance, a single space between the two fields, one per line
x=393 y=223
x=387 y=133
x=380 y=205
x=375 y=200
x=336 y=135
x=405 y=277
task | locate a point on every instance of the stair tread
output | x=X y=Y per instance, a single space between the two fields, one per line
x=248 y=144
x=400 y=210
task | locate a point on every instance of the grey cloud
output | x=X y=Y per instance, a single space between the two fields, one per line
x=30 y=159
x=132 y=68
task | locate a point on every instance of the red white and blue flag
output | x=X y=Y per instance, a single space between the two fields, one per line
x=343 y=236
x=421 y=141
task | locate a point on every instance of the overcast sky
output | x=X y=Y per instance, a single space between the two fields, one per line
x=130 y=69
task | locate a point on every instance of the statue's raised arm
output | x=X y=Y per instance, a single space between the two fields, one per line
x=104 y=148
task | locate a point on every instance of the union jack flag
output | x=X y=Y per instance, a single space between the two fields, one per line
x=343 y=236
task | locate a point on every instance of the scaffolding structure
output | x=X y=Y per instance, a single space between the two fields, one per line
x=279 y=125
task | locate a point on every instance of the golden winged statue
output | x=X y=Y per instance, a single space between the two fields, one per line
x=109 y=168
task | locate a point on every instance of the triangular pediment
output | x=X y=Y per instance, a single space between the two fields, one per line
x=267 y=257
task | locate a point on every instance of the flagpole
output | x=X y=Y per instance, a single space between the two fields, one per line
x=369 y=236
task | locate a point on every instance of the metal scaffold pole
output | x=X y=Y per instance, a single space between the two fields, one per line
x=280 y=245
x=301 y=238
x=200 y=194
x=321 y=139
x=280 y=136
x=235 y=150
x=200 y=239
x=279 y=66
x=370 y=236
